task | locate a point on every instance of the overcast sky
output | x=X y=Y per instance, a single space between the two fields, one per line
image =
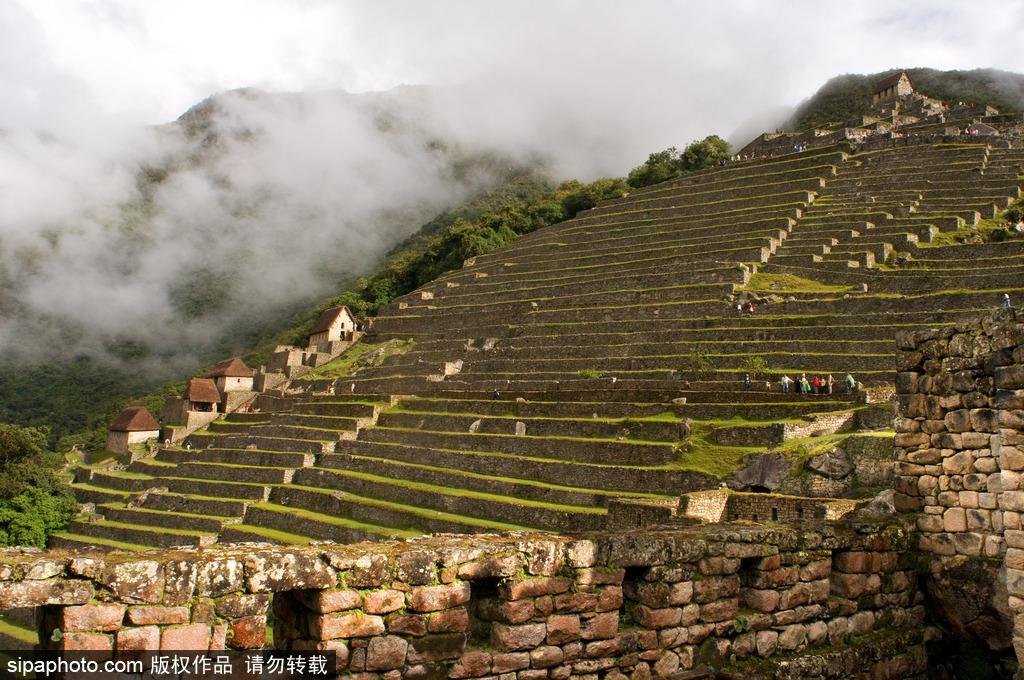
x=145 y=61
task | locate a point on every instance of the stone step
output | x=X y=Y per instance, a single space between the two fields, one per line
x=215 y=489
x=158 y=518
x=658 y=430
x=79 y=543
x=235 y=473
x=88 y=493
x=522 y=513
x=261 y=443
x=452 y=478
x=590 y=450
x=237 y=457
x=583 y=475
x=184 y=503
x=400 y=518
x=159 y=538
x=315 y=525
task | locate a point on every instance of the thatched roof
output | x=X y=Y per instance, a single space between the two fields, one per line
x=202 y=390
x=134 y=419
x=328 y=317
x=230 y=368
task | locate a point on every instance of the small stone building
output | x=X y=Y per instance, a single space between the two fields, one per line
x=134 y=425
x=201 y=395
x=231 y=375
x=334 y=325
x=895 y=86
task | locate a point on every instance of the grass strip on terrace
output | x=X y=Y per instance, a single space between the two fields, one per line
x=344 y=364
x=466 y=493
x=104 y=542
x=274 y=535
x=342 y=522
x=522 y=481
x=424 y=513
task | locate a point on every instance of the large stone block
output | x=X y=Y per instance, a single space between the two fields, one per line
x=958 y=421
x=332 y=626
x=1009 y=377
x=18 y=594
x=386 y=653
x=98 y=617
x=514 y=638
x=436 y=598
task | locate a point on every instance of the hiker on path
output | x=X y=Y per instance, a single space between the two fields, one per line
x=816 y=384
x=1006 y=300
x=746 y=381
x=786 y=381
x=805 y=385
x=851 y=384
x=831 y=382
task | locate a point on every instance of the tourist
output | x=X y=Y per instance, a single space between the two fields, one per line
x=768 y=385
x=746 y=381
x=851 y=384
x=739 y=309
x=750 y=308
x=786 y=381
x=830 y=381
x=816 y=384
x=805 y=386
x=1006 y=300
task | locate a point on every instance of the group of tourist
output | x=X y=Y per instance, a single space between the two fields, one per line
x=814 y=385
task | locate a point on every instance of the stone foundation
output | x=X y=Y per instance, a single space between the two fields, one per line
x=647 y=604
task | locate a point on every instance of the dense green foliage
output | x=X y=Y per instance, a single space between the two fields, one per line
x=848 y=96
x=34 y=501
x=66 y=395
x=670 y=163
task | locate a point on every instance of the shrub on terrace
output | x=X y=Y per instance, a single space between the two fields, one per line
x=665 y=165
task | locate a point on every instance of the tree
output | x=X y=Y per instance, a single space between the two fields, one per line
x=34 y=501
x=670 y=163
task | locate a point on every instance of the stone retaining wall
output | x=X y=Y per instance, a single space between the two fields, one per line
x=518 y=607
x=960 y=448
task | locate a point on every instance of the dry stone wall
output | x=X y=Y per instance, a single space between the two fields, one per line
x=960 y=447
x=827 y=600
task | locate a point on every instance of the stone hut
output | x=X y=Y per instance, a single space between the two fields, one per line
x=231 y=375
x=201 y=395
x=334 y=325
x=891 y=88
x=134 y=425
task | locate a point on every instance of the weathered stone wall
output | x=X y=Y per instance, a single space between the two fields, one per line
x=828 y=600
x=960 y=447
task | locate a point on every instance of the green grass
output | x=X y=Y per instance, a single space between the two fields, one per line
x=466 y=493
x=350 y=360
x=508 y=480
x=273 y=534
x=337 y=521
x=790 y=283
x=143 y=527
x=17 y=632
x=104 y=542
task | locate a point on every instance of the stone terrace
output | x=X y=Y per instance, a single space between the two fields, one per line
x=558 y=373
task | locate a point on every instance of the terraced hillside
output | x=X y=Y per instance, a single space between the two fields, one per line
x=599 y=358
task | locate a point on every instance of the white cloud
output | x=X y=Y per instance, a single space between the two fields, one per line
x=594 y=85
